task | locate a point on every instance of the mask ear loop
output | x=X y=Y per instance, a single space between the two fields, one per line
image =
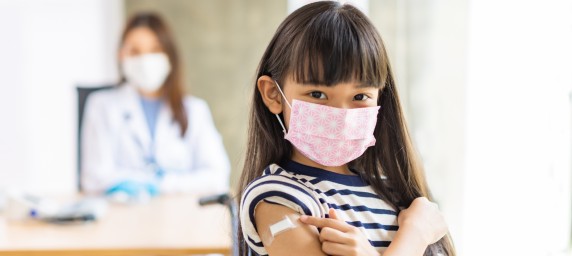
x=277 y=116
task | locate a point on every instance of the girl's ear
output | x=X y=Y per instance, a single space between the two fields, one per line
x=270 y=95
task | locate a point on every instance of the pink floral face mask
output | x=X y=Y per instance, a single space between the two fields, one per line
x=327 y=135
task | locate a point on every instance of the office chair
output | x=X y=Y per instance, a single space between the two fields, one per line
x=82 y=93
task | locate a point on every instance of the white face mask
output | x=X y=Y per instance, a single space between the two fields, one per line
x=147 y=71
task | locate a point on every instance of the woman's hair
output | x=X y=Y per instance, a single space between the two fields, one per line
x=328 y=43
x=172 y=89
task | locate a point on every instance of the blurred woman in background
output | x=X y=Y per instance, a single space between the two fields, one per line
x=145 y=136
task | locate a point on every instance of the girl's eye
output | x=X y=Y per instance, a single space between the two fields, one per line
x=318 y=95
x=361 y=97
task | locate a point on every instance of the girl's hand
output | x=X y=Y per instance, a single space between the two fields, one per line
x=423 y=219
x=340 y=238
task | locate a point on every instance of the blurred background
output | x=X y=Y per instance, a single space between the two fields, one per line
x=486 y=87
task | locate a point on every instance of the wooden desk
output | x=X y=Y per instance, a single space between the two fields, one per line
x=165 y=226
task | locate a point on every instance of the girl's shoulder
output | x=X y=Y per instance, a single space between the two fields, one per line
x=277 y=185
x=275 y=175
x=280 y=187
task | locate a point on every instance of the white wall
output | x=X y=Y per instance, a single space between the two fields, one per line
x=47 y=48
x=517 y=187
x=486 y=86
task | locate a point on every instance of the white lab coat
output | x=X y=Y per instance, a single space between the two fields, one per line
x=116 y=139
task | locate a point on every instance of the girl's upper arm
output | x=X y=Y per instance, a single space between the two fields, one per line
x=301 y=240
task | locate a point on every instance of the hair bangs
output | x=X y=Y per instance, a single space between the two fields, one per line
x=339 y=46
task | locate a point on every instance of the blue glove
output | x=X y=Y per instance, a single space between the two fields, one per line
x=133 y=189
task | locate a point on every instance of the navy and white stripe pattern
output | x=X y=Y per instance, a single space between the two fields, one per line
x=312 y=191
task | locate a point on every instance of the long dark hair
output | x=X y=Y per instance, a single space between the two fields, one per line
x=172 y=89
x=328 y=43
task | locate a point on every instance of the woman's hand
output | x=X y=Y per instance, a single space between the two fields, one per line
x=340 y=238
x=423 y=219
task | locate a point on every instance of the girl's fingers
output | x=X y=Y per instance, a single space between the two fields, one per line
x=326 y=222
x=333 y=214
x=331 y=248
x=333 y=235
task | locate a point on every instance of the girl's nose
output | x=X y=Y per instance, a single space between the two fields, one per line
x=340 y=104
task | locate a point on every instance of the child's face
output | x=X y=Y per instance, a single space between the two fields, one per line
x=343 y=95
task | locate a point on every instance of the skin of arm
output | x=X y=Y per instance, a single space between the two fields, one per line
x=302 y=240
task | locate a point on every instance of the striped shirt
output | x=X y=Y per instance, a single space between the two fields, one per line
x=312 y=191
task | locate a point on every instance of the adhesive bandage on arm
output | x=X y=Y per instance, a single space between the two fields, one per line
x=281 y=226
x=285 y=224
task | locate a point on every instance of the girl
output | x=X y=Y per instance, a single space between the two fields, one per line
x=146 y=136
x=329 y=165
